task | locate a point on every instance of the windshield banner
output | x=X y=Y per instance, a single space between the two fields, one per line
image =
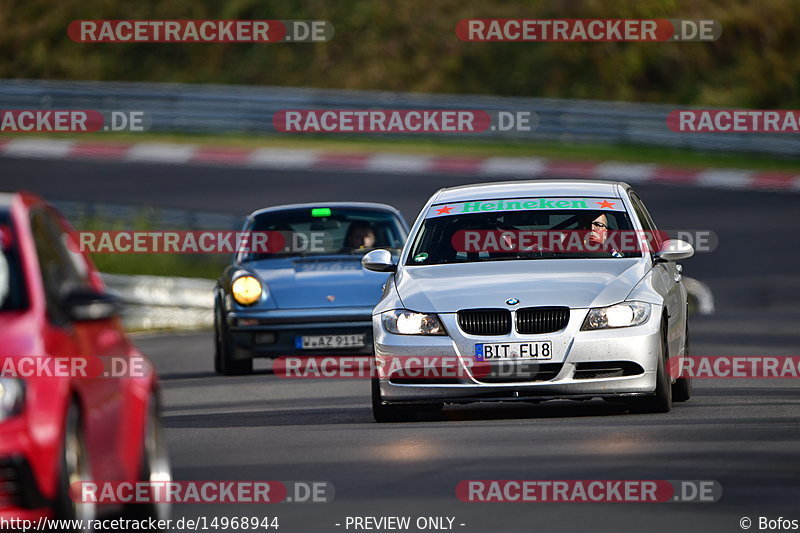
x=525 y=204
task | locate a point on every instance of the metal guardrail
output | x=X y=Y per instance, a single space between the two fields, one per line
x=191 y=108
x=163 y=218
x=156 y=302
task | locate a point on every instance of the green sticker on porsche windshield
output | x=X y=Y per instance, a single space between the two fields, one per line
x=420 y=257
x=526 y=204
x=321 y=212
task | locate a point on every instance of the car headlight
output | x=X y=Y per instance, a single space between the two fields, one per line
x=12 y=394
x=617 y=316
x=404 y=322
x=246 y=290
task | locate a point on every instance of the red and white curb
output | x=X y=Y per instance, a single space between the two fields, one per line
x=494 y=167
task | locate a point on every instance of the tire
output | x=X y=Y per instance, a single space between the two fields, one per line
x=75 y=467
x=155 y=465
x=383 y=413
x=682 y=388
x=224 y=364
x=217 y=362
x=217 y=344
x=661 y=400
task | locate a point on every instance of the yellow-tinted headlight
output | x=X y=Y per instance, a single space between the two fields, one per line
x=246 y=290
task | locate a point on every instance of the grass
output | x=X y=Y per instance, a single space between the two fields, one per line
x=180 y=265
x=201 y=265
x=462 y=147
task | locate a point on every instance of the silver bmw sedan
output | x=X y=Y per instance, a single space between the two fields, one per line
x=528 y=291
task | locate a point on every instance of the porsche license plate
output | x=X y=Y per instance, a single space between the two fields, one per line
x=514 y=350
x=312 y=342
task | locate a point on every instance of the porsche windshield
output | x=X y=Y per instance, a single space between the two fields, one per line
x=328 y=230
x=462 y=233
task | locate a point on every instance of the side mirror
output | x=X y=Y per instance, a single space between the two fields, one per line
x=379 y=261
x=85 y=304
x=674 y=250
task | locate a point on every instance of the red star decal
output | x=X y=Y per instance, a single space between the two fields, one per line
x=444 y=210
x=606 y=204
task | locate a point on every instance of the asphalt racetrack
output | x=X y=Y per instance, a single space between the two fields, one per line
x=741 y=433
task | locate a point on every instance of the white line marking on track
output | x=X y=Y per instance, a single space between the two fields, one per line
x=160 y=153
x=37 y=148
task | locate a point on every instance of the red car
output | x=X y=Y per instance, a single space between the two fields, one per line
x=60 y=428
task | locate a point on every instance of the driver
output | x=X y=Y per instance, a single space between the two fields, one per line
x=360 y=235
x=597 y=234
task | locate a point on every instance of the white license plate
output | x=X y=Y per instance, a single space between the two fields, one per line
x=311 y=342
x=514 y=350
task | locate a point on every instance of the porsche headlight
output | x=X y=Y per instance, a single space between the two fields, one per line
x=12 y=394
x=404 y=322
x=617 y=316
x=246 y=290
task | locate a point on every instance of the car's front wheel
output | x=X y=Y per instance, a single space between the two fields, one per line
x=75 y=468
x=385 y=413
x=682 y=389
x=155 y=466
x=217 y=350
x=661 y=400
x=224 y=364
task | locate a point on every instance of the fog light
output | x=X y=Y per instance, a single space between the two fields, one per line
x=264 y=338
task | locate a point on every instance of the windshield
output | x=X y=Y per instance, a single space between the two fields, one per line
x=328 y=230
x=12 y=284
x=524 y=229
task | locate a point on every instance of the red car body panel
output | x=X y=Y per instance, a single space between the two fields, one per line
x=113 y=410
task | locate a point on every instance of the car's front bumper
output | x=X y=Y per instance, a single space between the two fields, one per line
x=274 y=333
x=582 y=366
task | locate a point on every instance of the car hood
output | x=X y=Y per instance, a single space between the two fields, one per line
x=576 y=283
x=319 y=282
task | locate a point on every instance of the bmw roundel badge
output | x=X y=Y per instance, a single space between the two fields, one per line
x=512 y=301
